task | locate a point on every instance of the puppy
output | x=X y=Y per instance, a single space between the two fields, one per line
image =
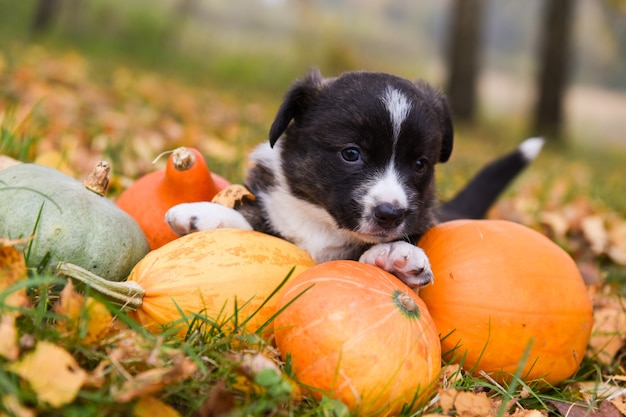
x=348 y=173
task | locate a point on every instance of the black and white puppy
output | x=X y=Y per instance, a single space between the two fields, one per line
x=348 y=173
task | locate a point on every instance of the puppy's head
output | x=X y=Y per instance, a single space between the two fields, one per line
x=363 y=147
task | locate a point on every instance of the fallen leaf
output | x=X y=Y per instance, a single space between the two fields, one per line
x=605 y=409
x=52 y=373
x=13 y=406
x=556 y=222
x=12 y=270
x=154 y=380
x=609 y=322
x=81 y=316
x=450 y=374
x=590 y=390
x=466 y=404
x=617 y=240
x=220 y=402
x=252 y=363
x=620 y=403
x=469 y=404
x=528 y=413
x=55 y=159
x=9 y=346
x=149 y=406
x=594 y=231
x=446 y=399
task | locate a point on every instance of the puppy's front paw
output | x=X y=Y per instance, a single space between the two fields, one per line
x=192 y=217
x=402 y=259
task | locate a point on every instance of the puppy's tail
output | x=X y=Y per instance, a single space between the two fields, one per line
x=481 y=192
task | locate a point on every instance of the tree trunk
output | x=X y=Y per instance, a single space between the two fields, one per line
x=464 y=47
x=554 y=70
x=46 y=12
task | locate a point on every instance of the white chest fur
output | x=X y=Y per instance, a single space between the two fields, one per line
x=305 y=224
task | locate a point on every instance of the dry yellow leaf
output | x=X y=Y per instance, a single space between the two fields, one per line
x=620 y=404
x=469 y=404
x=466 y=404
x=55 y=159
x=617 y=238
x=9 y=347
x=609 y=322
x=154 y=380
x=12 y=270
x=90 y=316
x=233 y=195
x=450 y=374
x=13 y=405
x=529 y=413
x=52 y=373
x=595 y=232
x=152 y=407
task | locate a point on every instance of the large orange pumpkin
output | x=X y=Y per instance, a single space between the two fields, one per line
x=503 y=291
x=358 y=334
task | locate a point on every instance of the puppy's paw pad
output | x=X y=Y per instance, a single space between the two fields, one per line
x=402 y=259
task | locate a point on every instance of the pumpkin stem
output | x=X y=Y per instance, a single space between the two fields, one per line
x=98 y=179
x=159 y=156
x=128 y=293
x=183 y=159
x=407 y=304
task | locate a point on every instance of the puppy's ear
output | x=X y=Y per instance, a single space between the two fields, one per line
x=447 y=133
x=297 y=100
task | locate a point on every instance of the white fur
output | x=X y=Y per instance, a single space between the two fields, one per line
x=531 y=147
x=407 y=261
x=386 y=189
x=204 y=216
x=306 y=225
x=398 y=106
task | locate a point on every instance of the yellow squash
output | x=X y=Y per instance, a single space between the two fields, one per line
x=206 y=273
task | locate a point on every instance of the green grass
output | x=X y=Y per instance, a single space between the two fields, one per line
x=16 y=141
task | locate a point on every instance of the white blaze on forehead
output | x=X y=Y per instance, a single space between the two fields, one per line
x=386 y=189
x=398 y=106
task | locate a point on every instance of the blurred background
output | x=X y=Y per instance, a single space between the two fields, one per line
x=129 y=79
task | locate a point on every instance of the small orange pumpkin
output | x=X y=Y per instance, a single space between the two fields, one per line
x=186 y=179
x=503 y=291
x=357 y=333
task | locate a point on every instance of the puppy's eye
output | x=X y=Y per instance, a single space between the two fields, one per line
x=421 y=165
x=351 y=154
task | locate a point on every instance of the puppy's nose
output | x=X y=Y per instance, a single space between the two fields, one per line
x=388 y=215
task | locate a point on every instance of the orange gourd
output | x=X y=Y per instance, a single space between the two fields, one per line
x=204 y=273
x=504 y=292
x=185 y=179
x=358 y=334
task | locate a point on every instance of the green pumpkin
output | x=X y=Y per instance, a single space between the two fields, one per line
x=70 y=223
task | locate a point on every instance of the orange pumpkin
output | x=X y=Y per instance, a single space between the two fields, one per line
x=358 y=334
x=205 y=273
x=503 y=291
x=186 y=179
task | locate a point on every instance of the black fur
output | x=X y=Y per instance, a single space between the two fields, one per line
x=321 y=117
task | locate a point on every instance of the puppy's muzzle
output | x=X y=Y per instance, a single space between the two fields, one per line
x=388 y=215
